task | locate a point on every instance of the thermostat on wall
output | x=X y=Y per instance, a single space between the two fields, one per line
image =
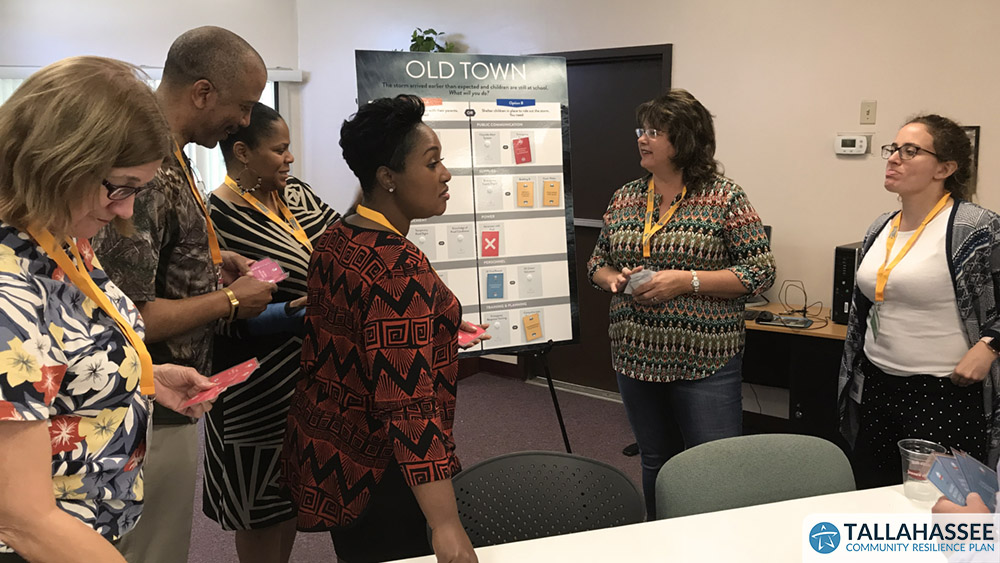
x=850 y=144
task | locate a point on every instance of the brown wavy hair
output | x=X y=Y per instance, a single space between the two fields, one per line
x=689 y=128
x=65 y=128
x=951 y=143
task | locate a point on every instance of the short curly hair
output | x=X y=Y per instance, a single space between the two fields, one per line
x=380 y=134
x=689 y=128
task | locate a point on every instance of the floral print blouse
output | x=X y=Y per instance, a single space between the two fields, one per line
x=63 y=359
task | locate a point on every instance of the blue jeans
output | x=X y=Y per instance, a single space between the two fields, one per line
x=667 y=418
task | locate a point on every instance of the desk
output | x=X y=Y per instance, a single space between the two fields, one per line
x=766 y=533
x=804 y=361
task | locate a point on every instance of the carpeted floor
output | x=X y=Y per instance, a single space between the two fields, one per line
x=494 y=415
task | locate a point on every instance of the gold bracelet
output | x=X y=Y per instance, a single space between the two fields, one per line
x=234 y=303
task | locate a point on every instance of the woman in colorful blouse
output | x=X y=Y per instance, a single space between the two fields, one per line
x=78 y=139
x=677 y=336
x=921 y=349
x=369 y=452
x=260 y=212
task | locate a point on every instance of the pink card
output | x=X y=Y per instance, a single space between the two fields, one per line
x=465 y=337
x=224 y=379
x=267 y=270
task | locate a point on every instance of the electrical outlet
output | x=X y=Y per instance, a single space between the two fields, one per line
x=868 y=112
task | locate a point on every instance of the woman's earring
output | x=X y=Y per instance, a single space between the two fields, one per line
x=239 y=180
x=392 y=189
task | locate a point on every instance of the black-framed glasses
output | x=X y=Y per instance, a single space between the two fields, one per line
x=118 y=193
x=906 y=152
x=651 y=133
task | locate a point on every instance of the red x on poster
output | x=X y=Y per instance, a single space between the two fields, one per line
x=491 y=243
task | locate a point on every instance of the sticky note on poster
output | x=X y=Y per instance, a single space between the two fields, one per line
x=532 y=323
x=525 y=193
x=550 y=193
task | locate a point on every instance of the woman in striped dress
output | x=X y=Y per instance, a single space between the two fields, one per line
x=260 y=212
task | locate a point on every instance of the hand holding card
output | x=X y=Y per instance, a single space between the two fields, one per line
x=268 y=270
x=637 y=279
x=224 y=380
x=465 y=338
x=957 y=476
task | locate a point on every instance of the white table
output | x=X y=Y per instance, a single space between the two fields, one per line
x=728 y=535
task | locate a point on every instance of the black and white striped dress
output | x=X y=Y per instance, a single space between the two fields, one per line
x=246 y=426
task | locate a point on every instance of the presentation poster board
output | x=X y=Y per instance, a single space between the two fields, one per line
x=505 y=245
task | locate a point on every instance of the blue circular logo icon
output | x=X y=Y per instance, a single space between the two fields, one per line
x=824 y=537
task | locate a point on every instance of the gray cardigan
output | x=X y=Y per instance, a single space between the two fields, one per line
x=973 y=242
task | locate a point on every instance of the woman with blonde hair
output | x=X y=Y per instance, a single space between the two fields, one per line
x=78 y=139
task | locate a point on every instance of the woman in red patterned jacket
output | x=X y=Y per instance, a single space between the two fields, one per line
x=369 y=452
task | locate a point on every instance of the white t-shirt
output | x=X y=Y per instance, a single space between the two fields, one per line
x=920 y=330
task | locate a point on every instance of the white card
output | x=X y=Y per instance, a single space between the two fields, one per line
x=637 y=279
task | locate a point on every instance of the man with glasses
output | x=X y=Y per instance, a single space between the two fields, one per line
x=172 y=268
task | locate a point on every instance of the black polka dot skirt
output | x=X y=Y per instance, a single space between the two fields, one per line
x=917 y=406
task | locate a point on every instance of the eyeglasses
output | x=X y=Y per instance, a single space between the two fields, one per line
x=906 y=152
x=651 y=133
x=118 y=193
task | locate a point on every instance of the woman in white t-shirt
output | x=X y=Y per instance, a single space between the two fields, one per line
x=919 y=361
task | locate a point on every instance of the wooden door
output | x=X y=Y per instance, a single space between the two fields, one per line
x=605 y=86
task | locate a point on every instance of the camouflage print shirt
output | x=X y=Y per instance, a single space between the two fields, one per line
x=167 y=256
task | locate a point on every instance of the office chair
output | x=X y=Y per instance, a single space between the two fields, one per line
x=535 y=494
x=749 y=470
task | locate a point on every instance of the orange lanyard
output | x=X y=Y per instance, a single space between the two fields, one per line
x=649 y=229
x=377 y=217
x=80 y=277
x=213 y=241
x=884 y=270
x=290 y=224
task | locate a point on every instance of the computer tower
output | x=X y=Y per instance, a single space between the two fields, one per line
x=845 y=265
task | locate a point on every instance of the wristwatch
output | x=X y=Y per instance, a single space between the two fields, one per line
x=993 y=343
x=695 y=282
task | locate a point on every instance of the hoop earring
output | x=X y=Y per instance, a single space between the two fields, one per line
x=239 y=183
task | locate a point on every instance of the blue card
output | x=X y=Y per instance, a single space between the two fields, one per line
x=494 y=286
x=942 y=479
x=955 y=472
x=981 y=479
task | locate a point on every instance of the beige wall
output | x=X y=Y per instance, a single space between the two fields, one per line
x=38 y=32
x=781 y=76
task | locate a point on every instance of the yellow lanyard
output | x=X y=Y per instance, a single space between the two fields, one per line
x=213 y=241
x=377 y=217
x=290 y=224
x=884 y=270
x=80 y=277
x=649 y=229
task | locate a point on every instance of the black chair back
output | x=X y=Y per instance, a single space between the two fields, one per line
x=535 y=494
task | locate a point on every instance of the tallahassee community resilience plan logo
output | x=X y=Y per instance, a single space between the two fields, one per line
x=824 y=537
x=900 y=537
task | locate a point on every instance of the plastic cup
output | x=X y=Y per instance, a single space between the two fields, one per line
x=918 y=457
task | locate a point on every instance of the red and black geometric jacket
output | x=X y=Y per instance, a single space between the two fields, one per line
x=378 y=375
